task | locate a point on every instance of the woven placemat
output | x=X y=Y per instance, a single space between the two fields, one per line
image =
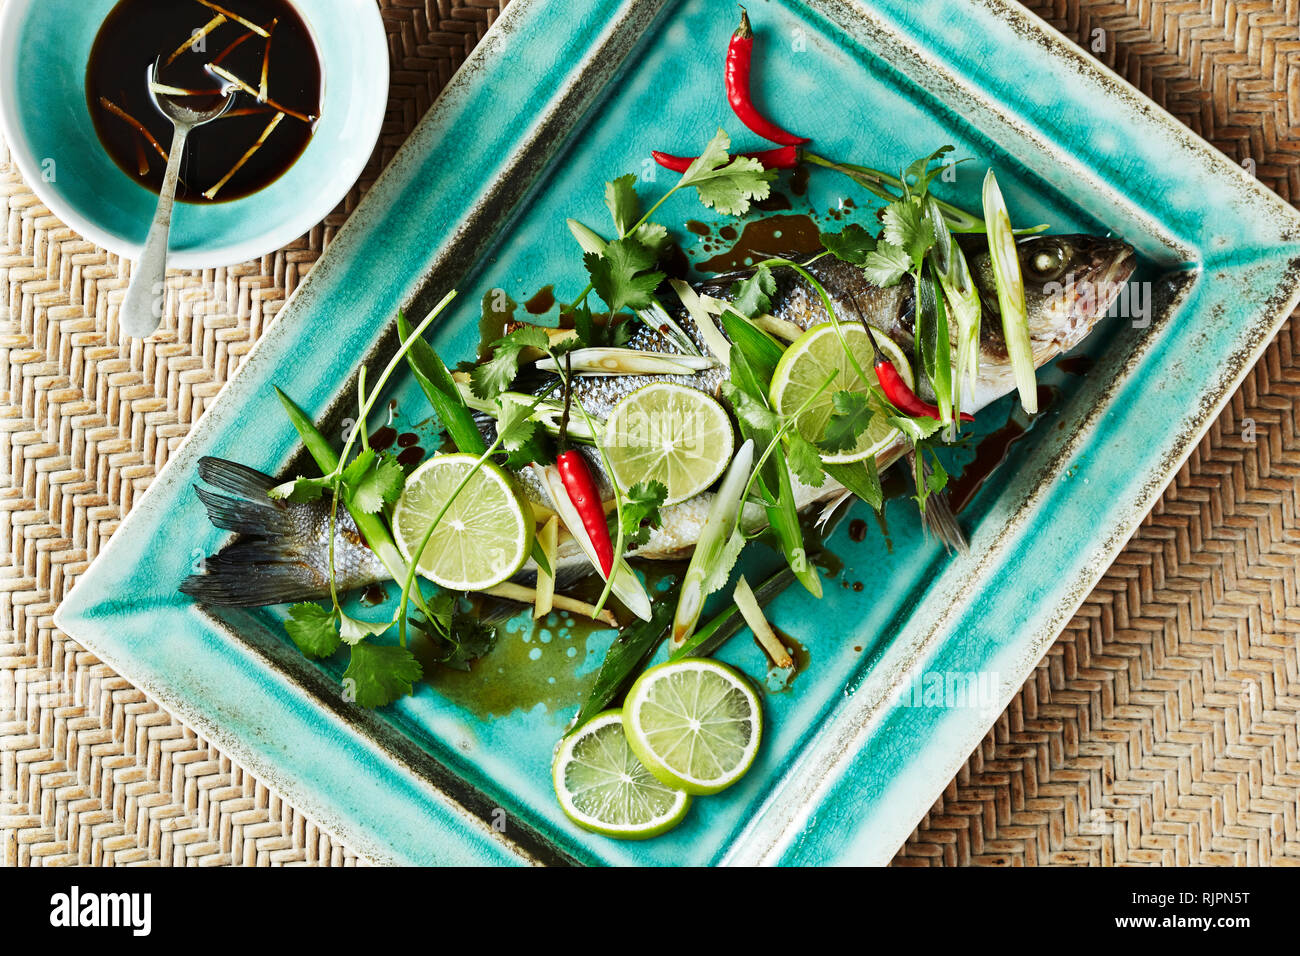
x=1160 y=728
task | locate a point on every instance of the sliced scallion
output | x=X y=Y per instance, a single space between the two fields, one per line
x=1011 y=293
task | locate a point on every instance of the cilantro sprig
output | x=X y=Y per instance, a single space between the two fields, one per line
x=623 y=271
x=377 y=674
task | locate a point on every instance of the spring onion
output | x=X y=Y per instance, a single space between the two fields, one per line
x=618 y=361
x=1011 y=293
x=716 y=550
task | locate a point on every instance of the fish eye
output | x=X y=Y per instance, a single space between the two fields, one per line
x=1048 y=260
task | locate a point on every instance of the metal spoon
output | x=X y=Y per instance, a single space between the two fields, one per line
x=141 y=310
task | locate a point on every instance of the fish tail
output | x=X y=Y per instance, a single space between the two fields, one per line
x=942 y=523
x=270 y=564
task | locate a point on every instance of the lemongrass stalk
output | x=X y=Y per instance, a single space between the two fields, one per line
x=547 y=537
x=964 y=306
x=747 y=604
x=1011 y=293
x=728 y=622
x=714 y=340
x=719 y=526
x=621 y=361
x=526 y=595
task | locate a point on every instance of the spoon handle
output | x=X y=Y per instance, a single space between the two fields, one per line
x=142 y=308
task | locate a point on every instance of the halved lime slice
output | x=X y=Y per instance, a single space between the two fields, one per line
x=694 y=723
x=602 y=786
x=808 y=362
x=669 y=433
x=483 y=538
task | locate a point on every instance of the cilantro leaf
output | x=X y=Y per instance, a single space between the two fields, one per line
x=641 y=510
x=653 y=236
x=457 y=637
x=377 y=483
x=358 y=466
x=851 y=415
x=442 y=606
x=590 y=333
x=299 y=490
x=851 y=244
x=622 y=202
x=750 y=410
x=908 y=227
x=313 y=629
x=490 y=378
x=354 y=630
x=727 y=183
x=803 y=459
x=916 y=429
x=515 y=424
x=736 y=185
x=751 y=297
x=937 y=478
x=379 y=674
x=618 y=274
x=474 y=639
x=918 y=176
x=886 y=264
x=862 y=479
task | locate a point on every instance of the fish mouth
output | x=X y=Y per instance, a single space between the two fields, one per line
x=1085 y=298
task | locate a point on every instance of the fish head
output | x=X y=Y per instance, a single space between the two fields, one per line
x=1070 y=283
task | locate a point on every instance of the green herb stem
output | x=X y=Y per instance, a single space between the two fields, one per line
x=428 y=533
x=728 y=623
x=875 y=182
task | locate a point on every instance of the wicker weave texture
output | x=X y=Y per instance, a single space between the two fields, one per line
x=1161 y=727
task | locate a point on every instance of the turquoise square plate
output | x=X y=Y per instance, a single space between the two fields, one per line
x=913 y=654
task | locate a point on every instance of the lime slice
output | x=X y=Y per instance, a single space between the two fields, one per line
x=483 y=538
x=603 y=787
x=694 y=723
x=805 y=366
x=669 y=433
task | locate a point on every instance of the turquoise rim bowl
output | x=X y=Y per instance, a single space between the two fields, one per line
x=44 y=49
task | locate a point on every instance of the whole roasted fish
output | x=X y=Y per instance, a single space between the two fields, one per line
x=281 y=554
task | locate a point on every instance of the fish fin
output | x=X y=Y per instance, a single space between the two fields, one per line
x=567 y=574
x=235 y=478
x=251 y=573
x=942 y=523
x=829 y=509
x=266 y=567
x=263 y=517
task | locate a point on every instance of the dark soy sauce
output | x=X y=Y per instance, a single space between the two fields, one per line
x=139 y=32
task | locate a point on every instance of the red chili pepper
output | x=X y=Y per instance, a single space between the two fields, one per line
x=586 y=498
x=783 y=157
x=581 y=488
x=738 y=63
x=897 y=390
